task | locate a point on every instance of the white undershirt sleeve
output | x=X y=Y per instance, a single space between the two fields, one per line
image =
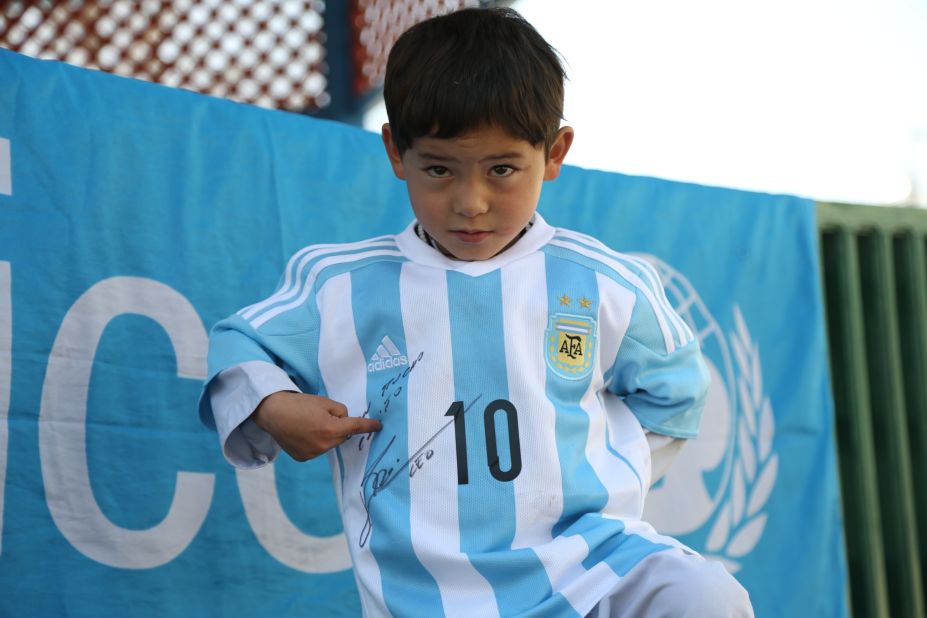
x=234 y=394
x=663 y=451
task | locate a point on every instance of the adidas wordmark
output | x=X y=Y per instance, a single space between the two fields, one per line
x=387 y=356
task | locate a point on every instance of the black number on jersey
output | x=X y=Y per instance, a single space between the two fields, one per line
x=492 y=449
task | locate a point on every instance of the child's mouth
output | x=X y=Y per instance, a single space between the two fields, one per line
x=471 y=236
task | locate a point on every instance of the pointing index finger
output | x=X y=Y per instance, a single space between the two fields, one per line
x=355 y=424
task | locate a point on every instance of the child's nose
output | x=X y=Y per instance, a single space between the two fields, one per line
x=470 y=199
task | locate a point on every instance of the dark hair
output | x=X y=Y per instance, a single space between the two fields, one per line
x=469 y=69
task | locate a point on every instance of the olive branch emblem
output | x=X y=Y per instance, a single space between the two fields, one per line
x=740 y=519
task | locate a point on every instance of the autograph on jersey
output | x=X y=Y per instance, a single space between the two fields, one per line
x=378 y=478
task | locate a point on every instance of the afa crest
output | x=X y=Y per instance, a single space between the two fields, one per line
x=570 y=345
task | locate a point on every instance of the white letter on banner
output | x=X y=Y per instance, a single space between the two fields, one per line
x=62 y=425
x=6 y=175
x=277 y=534
x=6 y=372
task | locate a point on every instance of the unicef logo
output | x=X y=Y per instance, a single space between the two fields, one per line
x=721 y=482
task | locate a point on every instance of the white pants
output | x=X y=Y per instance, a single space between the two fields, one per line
x=676 y=583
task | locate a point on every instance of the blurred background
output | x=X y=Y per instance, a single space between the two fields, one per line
x=818 y=98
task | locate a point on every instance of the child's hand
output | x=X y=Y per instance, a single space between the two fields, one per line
x=305 y=426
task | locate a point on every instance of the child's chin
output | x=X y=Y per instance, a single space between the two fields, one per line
x=473 y=254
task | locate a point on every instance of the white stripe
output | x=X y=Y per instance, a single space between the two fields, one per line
x=650 y=273
x=601 y=582
x=6 y=169
x=614 y=316
x=625 y=496
x=572 y=329
x=655 y=287
x=311 y=278
x=585 y=593
x=682 y=330
x=631 y=278
x=538 y=489
x=435 y=531
x=294 y=268
x=344 y=375
x=391 y=347
x=381 y=352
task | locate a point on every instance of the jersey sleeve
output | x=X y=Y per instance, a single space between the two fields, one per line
x=659 y=370
x=278 y=340
x=233 y=395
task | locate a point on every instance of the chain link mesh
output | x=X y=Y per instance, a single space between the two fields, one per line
x=266 y=52
x=270 y=53
x=377 y=24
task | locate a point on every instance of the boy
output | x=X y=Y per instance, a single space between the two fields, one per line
x=484 y=384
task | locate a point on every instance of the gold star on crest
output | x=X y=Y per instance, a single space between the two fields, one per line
x=585 y=303
x=565 y=300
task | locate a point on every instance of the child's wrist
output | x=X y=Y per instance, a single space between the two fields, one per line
x=264 y=412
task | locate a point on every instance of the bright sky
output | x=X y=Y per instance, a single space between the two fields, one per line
x=821 y=98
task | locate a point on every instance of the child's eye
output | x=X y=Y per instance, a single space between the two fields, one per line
x=437 y=171
x=501 y=171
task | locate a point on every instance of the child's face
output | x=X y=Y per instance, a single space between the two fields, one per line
x=475 y=193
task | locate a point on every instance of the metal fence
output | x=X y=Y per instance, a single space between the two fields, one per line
x=308 y=56
x=875 y=283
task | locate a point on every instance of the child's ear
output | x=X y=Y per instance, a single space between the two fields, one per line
x=558 y=152
x=392 y=152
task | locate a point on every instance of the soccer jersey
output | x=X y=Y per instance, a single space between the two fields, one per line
x=511 y=468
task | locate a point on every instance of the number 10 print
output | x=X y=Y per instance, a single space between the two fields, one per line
x=492 y=452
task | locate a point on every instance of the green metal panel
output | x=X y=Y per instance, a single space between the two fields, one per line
x=911 y=284
x=893 y=459
x=855 y=444
x=875 y=280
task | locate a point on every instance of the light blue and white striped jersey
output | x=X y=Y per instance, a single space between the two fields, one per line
x=510 y=473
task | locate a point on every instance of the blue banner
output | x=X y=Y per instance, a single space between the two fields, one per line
x=134 y=216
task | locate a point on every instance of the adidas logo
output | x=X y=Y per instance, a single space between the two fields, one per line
x=387 y=356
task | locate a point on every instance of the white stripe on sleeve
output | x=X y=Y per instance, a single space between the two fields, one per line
x=310 y=279
x=294 y=269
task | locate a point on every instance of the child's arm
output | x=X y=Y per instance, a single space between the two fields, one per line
x=305 y=426
x=259 y=352
x=665 y=390
x=258 y=410
x=659 y=370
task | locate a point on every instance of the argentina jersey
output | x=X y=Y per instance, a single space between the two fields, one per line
x=509 y=475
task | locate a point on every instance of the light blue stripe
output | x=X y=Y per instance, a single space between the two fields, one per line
x=611 y=545
x=406 y=583
x=322 y=392
x=652 y=332
x=608 y=445
x=583 y=492
x=644 y=271
x=486 y=505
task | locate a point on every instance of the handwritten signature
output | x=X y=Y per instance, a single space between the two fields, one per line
x=388 y=391
x=378 y=479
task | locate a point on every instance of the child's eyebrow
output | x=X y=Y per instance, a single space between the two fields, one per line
x=436 y=157
x=431 y=156
x=503 y=155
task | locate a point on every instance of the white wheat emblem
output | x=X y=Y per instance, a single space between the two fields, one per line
x=741 y=520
